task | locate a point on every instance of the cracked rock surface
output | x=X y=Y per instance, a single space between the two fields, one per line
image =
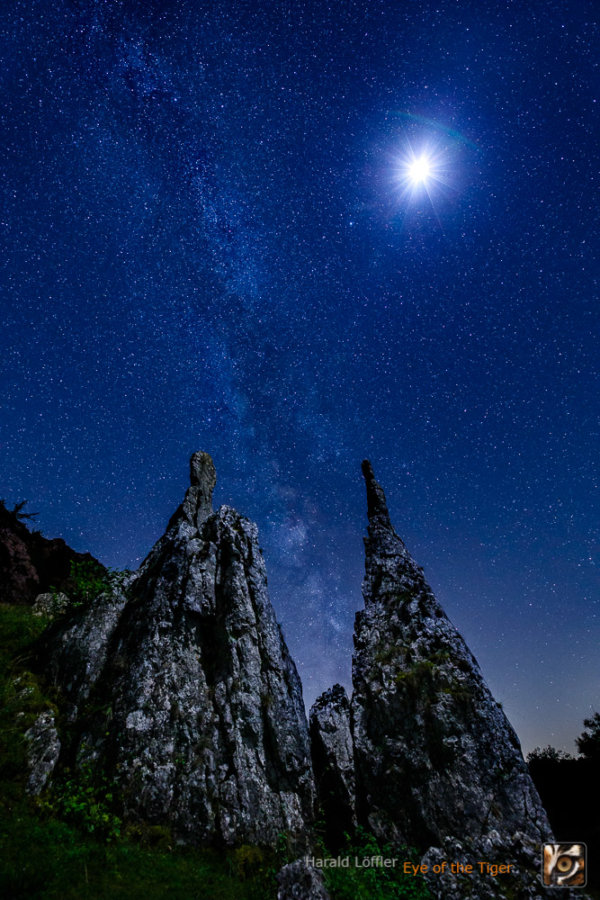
x=437 y=765
x=181 y=686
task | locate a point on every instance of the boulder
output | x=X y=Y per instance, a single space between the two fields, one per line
x=301 y=881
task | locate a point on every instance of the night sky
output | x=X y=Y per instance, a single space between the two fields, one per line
x=211 y=241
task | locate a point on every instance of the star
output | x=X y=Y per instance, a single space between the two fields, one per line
x=420 y=172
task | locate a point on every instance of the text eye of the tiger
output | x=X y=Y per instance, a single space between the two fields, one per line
x=564 y=863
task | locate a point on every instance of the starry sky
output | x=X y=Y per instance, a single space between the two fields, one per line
x=210 y=242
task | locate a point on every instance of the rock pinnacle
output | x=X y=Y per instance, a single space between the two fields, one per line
x=382 y=539
x=376 y=504
x=203 y=478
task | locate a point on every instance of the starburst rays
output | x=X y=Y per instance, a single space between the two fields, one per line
x=421 y=173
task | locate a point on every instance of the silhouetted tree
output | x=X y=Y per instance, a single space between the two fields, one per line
x=588 y=743
x=547 y=753
x=17 y=511
x=567 y=784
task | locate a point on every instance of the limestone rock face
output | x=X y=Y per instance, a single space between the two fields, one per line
x=76 y=647
x=437 y=762
x=43 y=749
x=183 y=688
x=333 y=763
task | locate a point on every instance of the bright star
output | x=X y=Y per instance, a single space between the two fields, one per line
x=419 y=170
x=421 y=173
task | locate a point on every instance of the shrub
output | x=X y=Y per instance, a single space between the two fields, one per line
x=375 y=882
x=87 y=580
x=548 y=754
x=84 y=799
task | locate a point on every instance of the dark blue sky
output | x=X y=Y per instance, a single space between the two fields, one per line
x=206 y=244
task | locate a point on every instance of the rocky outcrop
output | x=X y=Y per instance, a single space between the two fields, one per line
x=177 y=684
x=75 y=649
x=180 y=685
x=437 y=764
x=333 y=764
x=31 y=564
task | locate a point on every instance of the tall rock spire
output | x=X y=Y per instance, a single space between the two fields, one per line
x=437 y=762
x=207 y=730
x=377 y=511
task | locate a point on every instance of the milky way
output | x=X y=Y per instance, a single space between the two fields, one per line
x=205 y=246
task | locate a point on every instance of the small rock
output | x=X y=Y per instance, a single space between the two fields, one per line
x=300 y=881
x=50 y=604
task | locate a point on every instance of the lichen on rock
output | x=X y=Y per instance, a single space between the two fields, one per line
x=50 y=604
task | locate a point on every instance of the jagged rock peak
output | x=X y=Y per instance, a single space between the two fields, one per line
x=207 y=731
x=203 y=474
x=376 y=503
x=197 y=504
x=437 y=764
x=387 y=562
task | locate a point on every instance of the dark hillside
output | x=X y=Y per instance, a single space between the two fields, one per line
x=31 y=564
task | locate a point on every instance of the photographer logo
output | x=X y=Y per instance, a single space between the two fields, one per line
x=564 y=865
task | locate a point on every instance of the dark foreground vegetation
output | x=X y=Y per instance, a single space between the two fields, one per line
x=570 y=791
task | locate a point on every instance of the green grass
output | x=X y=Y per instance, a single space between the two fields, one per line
x=377 y=882
x=53 y=860
x=21 y=699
